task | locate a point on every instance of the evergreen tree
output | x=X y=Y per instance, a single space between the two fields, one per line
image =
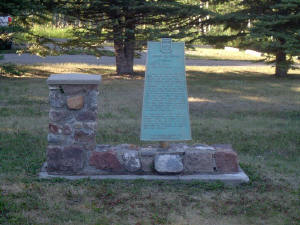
x=128 y=23
x=270 y=26
x=25 y=13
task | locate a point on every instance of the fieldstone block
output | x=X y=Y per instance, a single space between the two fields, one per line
x=75 y=102
x=68 y=160
x=226 y=160
x=54 y=156
x=73 y=158
x=58 y=116
x=168 y=164
x=66 y=129
x=147 y=163
x=92 y=100
x=84 y=136
x=56 y=99
x=86 y=116
x=77 y=125
x=55 y=129
x=55 y=139
x=199 y=161
x=131 y=161
x=105 y=161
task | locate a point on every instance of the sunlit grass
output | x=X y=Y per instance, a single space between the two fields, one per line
x=219 y=54
x=245 y=106
x=51 y=31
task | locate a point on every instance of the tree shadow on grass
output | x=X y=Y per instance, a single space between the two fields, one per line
x=44 y=71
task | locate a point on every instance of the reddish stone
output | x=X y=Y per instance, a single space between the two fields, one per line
x=53 y=128
x=86 y=116
x=105 y=161
x=82 y=136
x=226 y=160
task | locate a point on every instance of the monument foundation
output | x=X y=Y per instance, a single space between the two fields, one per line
x=72 y=151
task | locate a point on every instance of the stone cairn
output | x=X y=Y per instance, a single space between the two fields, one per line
x=73 y=120
x=72 y=148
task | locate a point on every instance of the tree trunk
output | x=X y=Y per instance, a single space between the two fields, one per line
x=124 y=49
x=124 y=57
x=281 y=64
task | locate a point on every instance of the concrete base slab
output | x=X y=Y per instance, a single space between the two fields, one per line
x=232 y=179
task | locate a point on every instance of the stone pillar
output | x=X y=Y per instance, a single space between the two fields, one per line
x=73 y=122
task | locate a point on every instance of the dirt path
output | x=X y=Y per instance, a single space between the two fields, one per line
x=88 y=59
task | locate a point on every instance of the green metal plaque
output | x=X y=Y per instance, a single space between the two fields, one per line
x=165 y=115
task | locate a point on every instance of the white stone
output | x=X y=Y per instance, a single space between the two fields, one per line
x=131 y=161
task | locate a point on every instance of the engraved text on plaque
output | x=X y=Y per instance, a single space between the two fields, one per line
x=165 y=115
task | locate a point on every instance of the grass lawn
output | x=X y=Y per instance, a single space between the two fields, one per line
x=219 y=54
x=52 y=31
x=245 y=106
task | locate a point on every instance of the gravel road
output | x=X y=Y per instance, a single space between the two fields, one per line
x=105 y=60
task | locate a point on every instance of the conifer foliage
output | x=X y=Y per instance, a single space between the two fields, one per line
x=270 y=26
x=128 y=24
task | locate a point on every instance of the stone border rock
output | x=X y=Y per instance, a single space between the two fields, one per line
x=179 y=162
